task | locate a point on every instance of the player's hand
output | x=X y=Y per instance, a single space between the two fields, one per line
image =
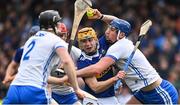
x=7 y=80
x=121 y=74
x=80 y=93
x=96 y=14
x=64 y=79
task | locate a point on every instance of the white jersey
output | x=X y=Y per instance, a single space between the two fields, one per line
x=75 y=54
x=38 y=59
x=140 y=73
x=65 y=89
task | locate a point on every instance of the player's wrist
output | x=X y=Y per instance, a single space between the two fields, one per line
x=115 y=78
x=77 y=89
x=101 y=17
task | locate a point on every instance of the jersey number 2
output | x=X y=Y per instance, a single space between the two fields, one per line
x=30 y=46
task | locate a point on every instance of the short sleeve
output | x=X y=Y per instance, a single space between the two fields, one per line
x=119 y=50
x=18 y=55
x=114 y=52
x=75 y=53
x=59 y=43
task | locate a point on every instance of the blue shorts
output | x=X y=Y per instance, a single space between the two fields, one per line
x=25 y=95
x=163 y=94
x=65 y=99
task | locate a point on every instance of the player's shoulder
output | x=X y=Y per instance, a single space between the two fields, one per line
x=123 y=43
x=75 y=49
x=45 y=33
x=83 y=62
x=19 y=50
x=51 y=37
x=102 y=40
x=126 y=42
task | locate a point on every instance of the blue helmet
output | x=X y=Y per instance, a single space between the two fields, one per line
x=121 y=25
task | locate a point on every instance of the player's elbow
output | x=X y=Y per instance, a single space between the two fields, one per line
x=96 y=89
x=66 y=61
x=95 y=72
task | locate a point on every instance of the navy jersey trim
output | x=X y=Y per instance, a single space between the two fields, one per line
x=46 y=67
x=138 y=73
x=111 y=57
x=59 y=47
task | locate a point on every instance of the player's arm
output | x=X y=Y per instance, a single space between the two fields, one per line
x=94 y=69
x=100 y=86
x=107 y=18
x=81 y=83
x=12 y=68
x=98 y=15
x=69 y=68
x=97 y=68
x=11 y=71
x=56 y=80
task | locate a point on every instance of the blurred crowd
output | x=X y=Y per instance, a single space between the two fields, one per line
x=161 y=46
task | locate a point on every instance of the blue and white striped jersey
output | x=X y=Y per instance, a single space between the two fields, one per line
x=140 y=73
x=38 y=59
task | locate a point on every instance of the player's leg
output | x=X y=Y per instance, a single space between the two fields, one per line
x=133 y=100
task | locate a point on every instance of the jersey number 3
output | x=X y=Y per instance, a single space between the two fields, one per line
x=30 y=47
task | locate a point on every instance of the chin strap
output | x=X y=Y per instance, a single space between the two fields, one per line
x=118 y=34
x=54 y=29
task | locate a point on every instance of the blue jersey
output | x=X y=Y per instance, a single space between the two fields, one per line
x=104 y=45
x=18 y=55
x=85 y=61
